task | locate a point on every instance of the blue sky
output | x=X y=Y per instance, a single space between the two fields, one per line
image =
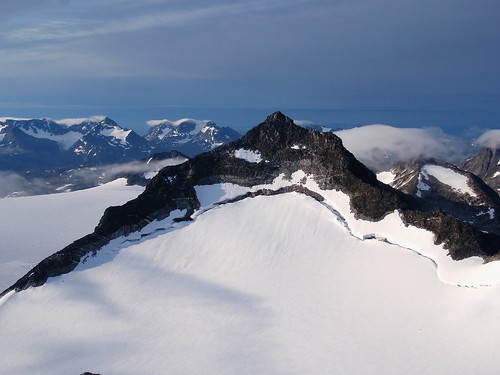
x=404 y=62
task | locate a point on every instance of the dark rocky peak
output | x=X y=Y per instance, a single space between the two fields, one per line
x=318 y=154
x=276 y=132
x=108 y=121
x=278 y=118
x=282 y=142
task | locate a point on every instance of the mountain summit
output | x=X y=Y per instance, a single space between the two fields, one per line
x=277 y=157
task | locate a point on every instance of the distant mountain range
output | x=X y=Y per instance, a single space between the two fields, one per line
x=31 y=144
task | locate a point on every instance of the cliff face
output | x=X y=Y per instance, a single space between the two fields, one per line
x=276 y=147
x=486 y=164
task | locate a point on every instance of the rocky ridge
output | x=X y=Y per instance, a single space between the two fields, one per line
x=486 y=165
x=443 y=186
x=279 y=148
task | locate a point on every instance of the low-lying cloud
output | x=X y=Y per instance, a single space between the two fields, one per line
x=14 y=184
x=380 y=147
x=490 y=138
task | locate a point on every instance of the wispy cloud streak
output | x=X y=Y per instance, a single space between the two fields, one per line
x=55 y=30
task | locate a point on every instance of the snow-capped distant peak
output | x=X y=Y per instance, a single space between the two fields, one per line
x=183 y=126
x=188 y=135
x=177 y=122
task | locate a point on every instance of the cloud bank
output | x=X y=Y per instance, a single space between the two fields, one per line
x=380 y=147
x=490 y=138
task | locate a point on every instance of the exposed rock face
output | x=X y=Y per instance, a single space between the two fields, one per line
x=475 y=202
x=275 y=147
x=461 y=239
x=486 y=165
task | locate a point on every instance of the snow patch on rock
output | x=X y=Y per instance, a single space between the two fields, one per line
x=449 y=177
x=249 y=155
x=386 y=177
x=65 y=141
x=117 y=133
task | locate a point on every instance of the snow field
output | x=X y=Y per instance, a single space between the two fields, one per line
x=470 y=272
x=266 y=285
x=38 y=226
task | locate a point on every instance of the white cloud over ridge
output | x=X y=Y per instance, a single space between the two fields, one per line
x=490 y=138
x=382 y=146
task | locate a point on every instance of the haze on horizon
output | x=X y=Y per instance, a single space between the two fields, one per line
x=376 y=61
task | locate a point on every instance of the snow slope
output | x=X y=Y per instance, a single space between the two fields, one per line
x=38 y=226
x=268 y=285
x=65 y=141
x=448 y=176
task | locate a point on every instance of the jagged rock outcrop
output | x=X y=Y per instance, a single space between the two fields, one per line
x=273 y=148
x=486 y=164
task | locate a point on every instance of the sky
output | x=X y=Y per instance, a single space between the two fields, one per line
x=334 y=62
